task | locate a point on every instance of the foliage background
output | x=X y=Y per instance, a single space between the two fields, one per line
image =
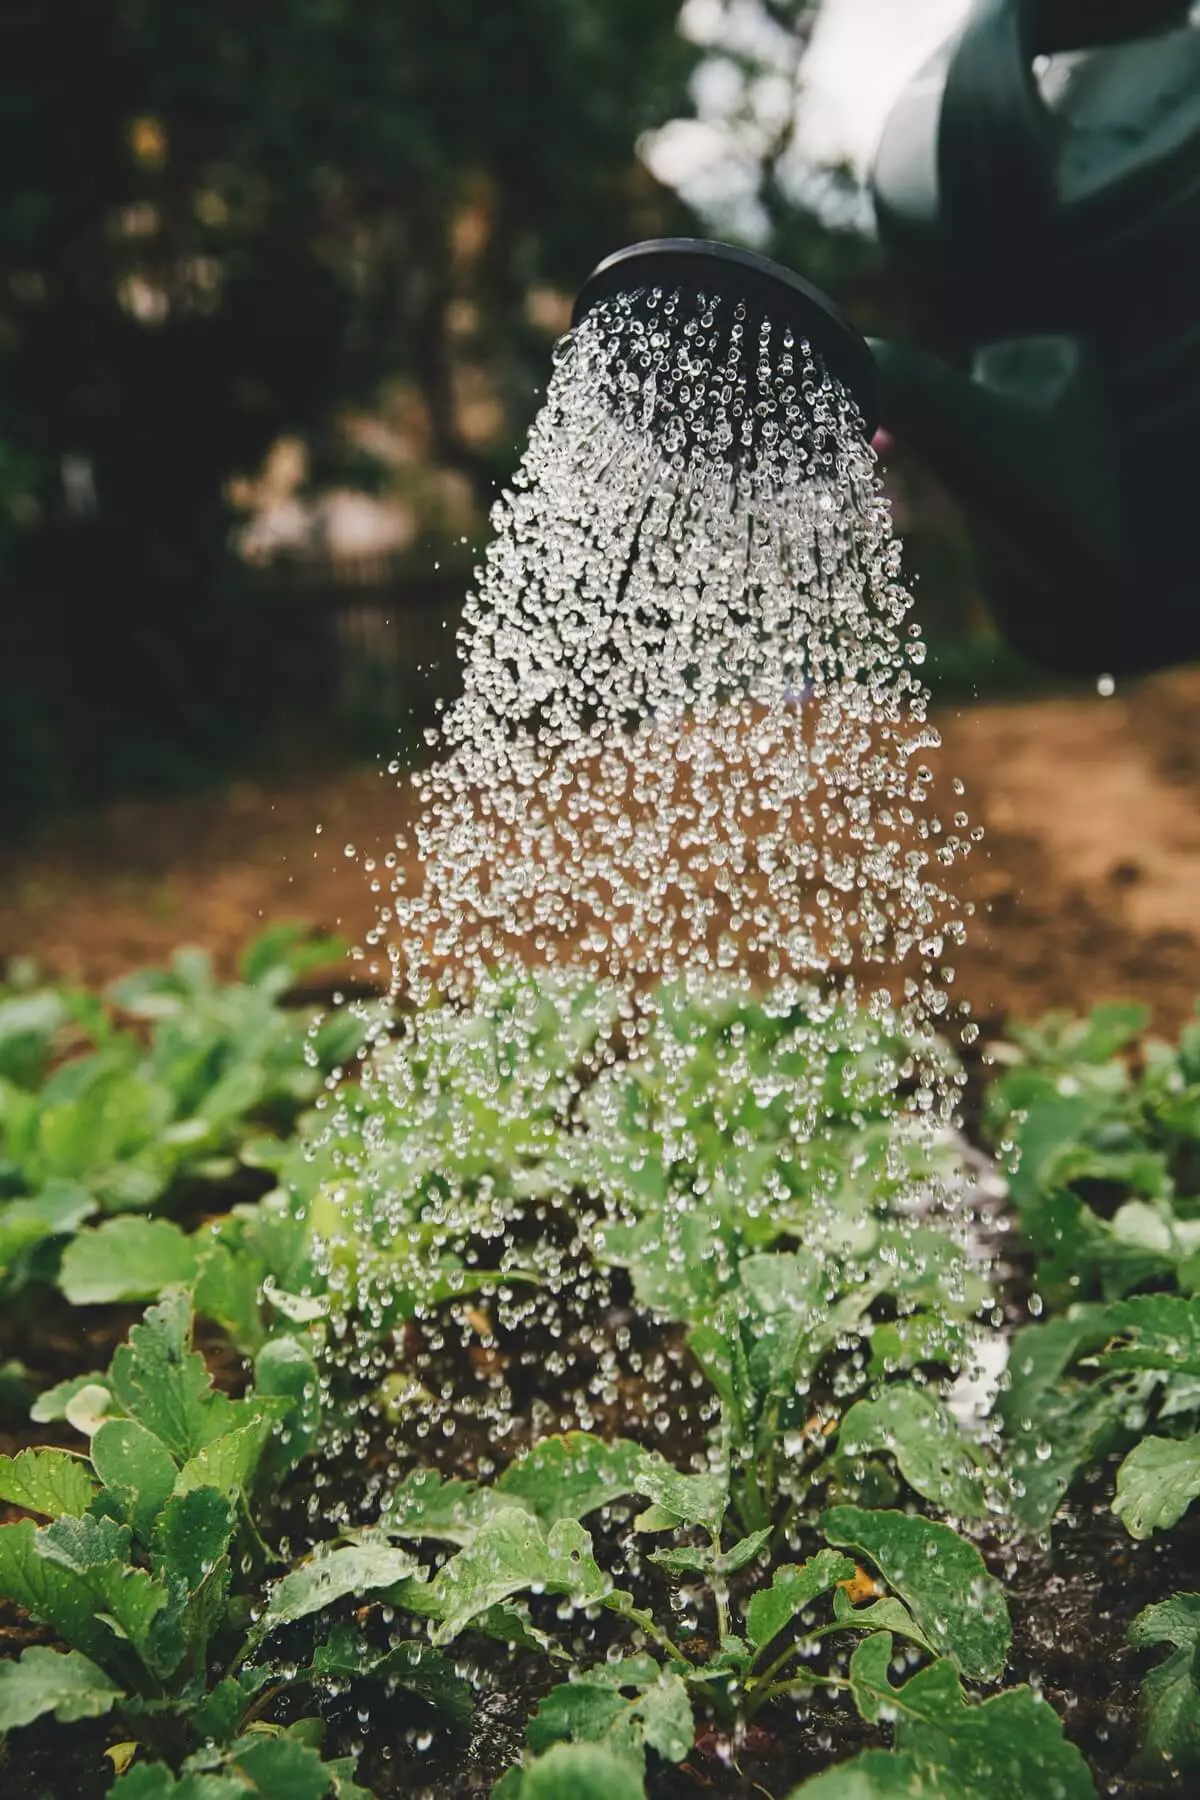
x=323 y=222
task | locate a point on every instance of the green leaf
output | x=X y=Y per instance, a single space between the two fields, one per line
x=64 y=1683
x=926 y=1442
x=1156 y=1484
x=1169 y=1702
x=881 y=1775
x=941 y=1579
x=625 y=1706
x=888 y=1614
x=160 y=1380
x=689 y=1499
x=424 y=1505
x=417 y=1668
x=50 y=1482
x=97 y=1553
x=57 y=1210
x=284 y=1370
x=192 y=1535
x=1007 y=1748
x=51 y=1405
x=138 y=1467
x=793 y=1587
x=227 y=1289
x=574 y=1772
x=126 y=1259
x=511 y=1553
x=700 y=1560
x=279 y=1768
x=1154 y=1331
x=331 y=1575
x=154 y=1781
x=228 y=1462
x=570 y=1476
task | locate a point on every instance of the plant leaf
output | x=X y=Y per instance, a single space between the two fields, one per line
x=1156 y=1484
x=573 y=1772
x=161 y=1381
x=924 y=1439
x=228 y=1462
x=794 y=1586
x=1008 y=1747
x=62 y=1682
x=125 y=1259
x=568 y=1477
x=331 y=1575
x=888 y=1614
x=138 y=1467
x=941 y=1579
x=625 y=1706
x=513 y=1552
x=881 y=1775
x=416 y=1667
x=700 y=1560
x=1169 y=1702
x=49 y=1482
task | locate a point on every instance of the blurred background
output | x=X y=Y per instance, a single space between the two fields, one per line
x=278 y=289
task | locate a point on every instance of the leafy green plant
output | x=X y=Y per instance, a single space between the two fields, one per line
x=175 y=1073
x=765 y=1629
x=138 y=1566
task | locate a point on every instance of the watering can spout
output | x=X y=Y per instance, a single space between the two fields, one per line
x=1025 y=445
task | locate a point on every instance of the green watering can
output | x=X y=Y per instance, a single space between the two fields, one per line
x=1037 y=190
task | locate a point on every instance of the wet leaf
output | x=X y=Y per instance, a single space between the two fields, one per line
x=888 y=1614
x=513 y=1553
x=191 y=1535
x=138 y=1467
x=1156 y=1484
x=124 y=1259
x=570 y=1476
x=625 y=1706
x=1008 y=1747
x=1169 y=1701
x=793 y=1587
x=939 y=1576
x=64 y=1683
x=158 y=1379
x=881 y=1775
x=573 y=1772
x=227 y=1463
x=363 y=1568
x=926 y=1442
x=416 y=1668
x=425 y=1505
x=709 y=1562
x=1153 y=1331
x=49 y=1482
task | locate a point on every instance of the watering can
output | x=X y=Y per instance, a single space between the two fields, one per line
x=1037 y=191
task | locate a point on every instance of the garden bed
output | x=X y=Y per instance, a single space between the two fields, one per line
x=458 y=1451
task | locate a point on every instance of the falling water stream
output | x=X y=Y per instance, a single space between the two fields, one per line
x=690 y=761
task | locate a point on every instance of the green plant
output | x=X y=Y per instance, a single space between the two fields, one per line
x=137 y=1569
x=175 y=1072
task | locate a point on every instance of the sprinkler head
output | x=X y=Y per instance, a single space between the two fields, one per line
x=768 y=290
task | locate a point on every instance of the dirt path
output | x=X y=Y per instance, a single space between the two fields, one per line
x=1087 y=884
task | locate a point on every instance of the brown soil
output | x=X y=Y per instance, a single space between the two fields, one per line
x=1085 y=885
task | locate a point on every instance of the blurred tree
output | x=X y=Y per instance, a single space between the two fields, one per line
x=224 y=221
